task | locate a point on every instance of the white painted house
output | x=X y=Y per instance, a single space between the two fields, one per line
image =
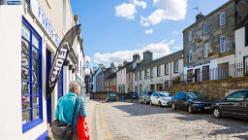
x=29 y=38
x=158 y=74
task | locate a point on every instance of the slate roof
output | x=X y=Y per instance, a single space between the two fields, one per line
x=163 y=60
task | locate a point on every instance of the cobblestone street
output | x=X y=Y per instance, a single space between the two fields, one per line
x=130 y=121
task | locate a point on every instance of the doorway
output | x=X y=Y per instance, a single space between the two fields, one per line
x=49 y=99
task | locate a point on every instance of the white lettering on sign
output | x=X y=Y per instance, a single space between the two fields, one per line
x=44 y=21
x=59 y=64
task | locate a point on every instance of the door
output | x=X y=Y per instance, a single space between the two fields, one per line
x=152 y=87
x=223 y=71
x=205 y=72
x=233 y=104
x=246 y=66
x=61 y=84
x=245 y=105
x=49 y=99
x=197 y=75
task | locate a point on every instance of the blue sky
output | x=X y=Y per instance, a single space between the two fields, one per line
x=115 y=29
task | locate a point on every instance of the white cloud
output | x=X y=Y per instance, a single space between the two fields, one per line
x=166 y=10
x=150 y=31
x=87 y=58
x=159 y=49
x=128 y=10
x=125 y=10
x=139 y=3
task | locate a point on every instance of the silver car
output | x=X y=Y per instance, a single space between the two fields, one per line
x=145 y=97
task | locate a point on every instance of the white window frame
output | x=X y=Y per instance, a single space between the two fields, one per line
x=176 y=66
x=205 y=51
x=190 y=36
x=222 y=44
x=166 y=71
x=190 y=56
x=222 y=18
x=204 y=25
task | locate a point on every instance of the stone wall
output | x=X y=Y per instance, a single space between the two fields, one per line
x=213 y=89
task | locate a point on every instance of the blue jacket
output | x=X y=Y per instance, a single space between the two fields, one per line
x=65 y=106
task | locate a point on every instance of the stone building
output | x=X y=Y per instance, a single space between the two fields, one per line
x=158 y=74
x=209 y=47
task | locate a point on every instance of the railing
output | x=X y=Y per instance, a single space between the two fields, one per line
x=223 y=71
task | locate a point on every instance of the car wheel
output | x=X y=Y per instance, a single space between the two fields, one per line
x=159 y=104
x=173 y=106
x=145 y=102
x=190 y=109
x=217 y=113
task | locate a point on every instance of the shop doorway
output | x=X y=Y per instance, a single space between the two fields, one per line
x=49 y=99
x=152 y=87
x=159 y=87
x=197 y=75
x=61 y=84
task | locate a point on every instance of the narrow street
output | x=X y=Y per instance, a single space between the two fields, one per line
x=131 y=121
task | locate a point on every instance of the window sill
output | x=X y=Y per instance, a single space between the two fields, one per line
x=28 y=126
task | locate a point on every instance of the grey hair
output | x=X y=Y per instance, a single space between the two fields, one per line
x=73 y=86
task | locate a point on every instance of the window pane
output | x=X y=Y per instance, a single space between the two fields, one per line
x=25 y=102
x=25 y=47
x=26 y=117
x=36 y=113
x=25 y=32
x=35 y=41
x=239 y=96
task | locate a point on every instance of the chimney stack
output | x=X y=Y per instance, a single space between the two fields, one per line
x=199 y=16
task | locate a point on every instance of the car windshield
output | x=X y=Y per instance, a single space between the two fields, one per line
x=164 y=94
x=192 y=95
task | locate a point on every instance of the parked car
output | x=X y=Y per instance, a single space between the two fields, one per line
x=111 y=97
x=160 y=98
x=233 y=105
x=145 y=97
x=132 y=95
x=190 y=101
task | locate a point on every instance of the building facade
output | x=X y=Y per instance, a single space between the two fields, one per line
x=158 y=74
x=209 y=44
x=33 y=43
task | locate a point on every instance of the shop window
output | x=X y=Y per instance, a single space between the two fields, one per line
x=151 y=73
x=31 y=90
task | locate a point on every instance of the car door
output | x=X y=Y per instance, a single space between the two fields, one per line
x=153 y=98
x=233 y=104
x=181 y=100
x=245 y=106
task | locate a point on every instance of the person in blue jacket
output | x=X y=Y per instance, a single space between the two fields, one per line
x=65 y=106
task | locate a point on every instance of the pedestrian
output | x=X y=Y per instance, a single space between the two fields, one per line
x=69 y=109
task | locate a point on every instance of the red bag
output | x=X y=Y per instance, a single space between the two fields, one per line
x=82 y=129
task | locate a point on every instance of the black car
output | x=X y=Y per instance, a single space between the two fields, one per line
x=190 y=101
x=234 y=105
